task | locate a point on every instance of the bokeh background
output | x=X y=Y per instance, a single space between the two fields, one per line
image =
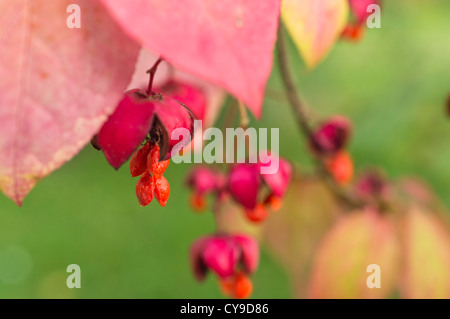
x=393 y=85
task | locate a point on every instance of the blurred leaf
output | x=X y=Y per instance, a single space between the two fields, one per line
x=232 y=219
x=293 y=233
x=426 y=247
x=314 y=25
x=414 y=189
x=356 y=241
x=228 y=42
x=57 y=85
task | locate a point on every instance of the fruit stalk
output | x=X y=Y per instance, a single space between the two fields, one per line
x=152 y=72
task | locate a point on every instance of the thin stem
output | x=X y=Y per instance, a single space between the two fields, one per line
x=230 y=115
x=244 y=120
x=152 y=72
x=291 y=90
x=303 y=122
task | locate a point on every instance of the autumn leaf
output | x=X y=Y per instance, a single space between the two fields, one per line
x=426 y=249
x=227 y=42
x=232 y=219
x=357 y=240
x=57 y=85
x=314 y=25
x=293 y=234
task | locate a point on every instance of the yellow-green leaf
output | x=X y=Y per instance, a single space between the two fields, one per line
x=293 y=234
x=314 y=25
x=340 y=268
x=426 y=247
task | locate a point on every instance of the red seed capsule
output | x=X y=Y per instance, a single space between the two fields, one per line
x=153 y=156
x=155 y=167
x=340 y=167
x=144 y=189
x=162 y=190
x=353 y=32
x=226 y=285
x=238 y=286
x=258 y=214
x=138 y=162
x=243 y=286
x=198 y=202
x=273 y=202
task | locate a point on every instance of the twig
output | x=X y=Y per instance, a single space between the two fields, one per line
x=302 y=119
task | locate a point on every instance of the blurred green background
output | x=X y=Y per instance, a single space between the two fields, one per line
x=393 y=84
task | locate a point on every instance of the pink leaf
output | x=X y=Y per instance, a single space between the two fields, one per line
x=227 y=42
x=57 y=85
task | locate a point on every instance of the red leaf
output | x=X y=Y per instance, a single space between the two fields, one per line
x=57 y=85
x=228 y=42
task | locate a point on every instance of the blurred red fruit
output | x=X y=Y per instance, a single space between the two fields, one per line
x=243 y=286
x=257 y=214
x=224 y=255
x=331 y=136
x=238 y=286
x=340 y=167
x=244 y=182
x=353 y=32
x=273 y=202
x=198 y=202
x=359 y=10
